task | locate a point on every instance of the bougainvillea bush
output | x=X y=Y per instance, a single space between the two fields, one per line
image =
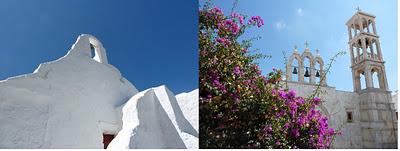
x=241 y=108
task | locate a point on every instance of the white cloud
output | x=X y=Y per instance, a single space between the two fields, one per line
x=299 y=11
x=280 y=25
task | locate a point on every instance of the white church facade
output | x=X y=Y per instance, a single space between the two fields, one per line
x=80 y=101
x=367 y=116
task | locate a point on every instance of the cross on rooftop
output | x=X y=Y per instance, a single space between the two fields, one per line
x=358 y=8
x=306 y=44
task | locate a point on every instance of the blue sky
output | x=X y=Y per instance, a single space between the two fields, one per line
x=322 y=25
x=152 y=42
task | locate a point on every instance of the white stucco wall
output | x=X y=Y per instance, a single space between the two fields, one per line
x=67 y=103
x=73 y=101
x=154 y=119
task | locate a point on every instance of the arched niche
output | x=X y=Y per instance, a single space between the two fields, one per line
x=89 y=46
x=370 y=28
x=363 y=80
x=295 y=68
x=368 y=47
x=354 y=51
x=374 y=48
x=377 y=78
x=295 y=57
x=359 y=45
x=308 y=64
x=354 y=30
x=360 y=81
x=96 y=47
x=319 y=66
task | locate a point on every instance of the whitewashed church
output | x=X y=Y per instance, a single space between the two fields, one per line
x=367 y=116
x=80 y=101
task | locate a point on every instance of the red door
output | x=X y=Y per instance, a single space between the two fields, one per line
x=107 y=138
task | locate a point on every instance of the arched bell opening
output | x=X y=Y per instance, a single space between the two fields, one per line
x=92 y=51
x=363 y=81
x=374 y=48
x=354 y=51
x=368 y=46
x=370 y=28
x=97 y=51
x=354 y=30
x=318 y=71
x=359 y=49
x=359 y=80
x=377 y=78
x=295 y=70
x=307 y=70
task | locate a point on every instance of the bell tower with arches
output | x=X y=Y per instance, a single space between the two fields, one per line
x=307 y=68
x=366 y=56
x=378 y=122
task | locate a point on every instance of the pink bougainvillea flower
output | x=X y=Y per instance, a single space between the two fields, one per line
x=256 y=20
x=237 y=99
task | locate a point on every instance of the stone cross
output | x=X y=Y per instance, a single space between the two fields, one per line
x=358 y=9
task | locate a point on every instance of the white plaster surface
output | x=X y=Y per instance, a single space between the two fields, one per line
x=190 y=106
x=72 y=101
x=153 y=119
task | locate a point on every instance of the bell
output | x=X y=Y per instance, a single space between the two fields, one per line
x=294 y=70
x=317 y=74
x=307 y=74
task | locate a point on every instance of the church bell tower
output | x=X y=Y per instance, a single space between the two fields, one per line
x=378 y=121
x=365 y=52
